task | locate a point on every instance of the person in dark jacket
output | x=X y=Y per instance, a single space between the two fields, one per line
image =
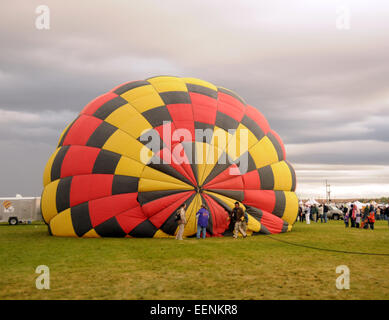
x=325 y=211
x=202 y=221
x=237 y=215
x=301 y=214
x=365 y=212
x=315 y=213
x=352 y=215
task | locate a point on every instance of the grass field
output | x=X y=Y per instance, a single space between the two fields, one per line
x=217 y=268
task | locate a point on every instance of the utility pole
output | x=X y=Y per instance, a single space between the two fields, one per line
x=328 y=192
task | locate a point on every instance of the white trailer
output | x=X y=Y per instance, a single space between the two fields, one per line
x=16 y=210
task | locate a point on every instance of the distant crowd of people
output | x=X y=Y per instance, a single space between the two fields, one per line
x=313 y=213
x=364 y=217
x=353 y=216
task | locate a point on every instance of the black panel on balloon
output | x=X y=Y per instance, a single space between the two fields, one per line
x=63 y=194
x=106 y=162
x=293 y=173
x=233 y=194
x=225 y=122
x=110 y=106
x=110 y=228
x=267 y=178
x=174 y=97
x=144 y=230
x=157 y=116
x=81 y=219
x=124 y=184
x=279 y=207
x=202 y=90
x=131 y=85
x=57 y=163
x=253 y=127
x=101 y=135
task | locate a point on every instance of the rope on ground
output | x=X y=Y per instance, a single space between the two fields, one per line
x=329 y=250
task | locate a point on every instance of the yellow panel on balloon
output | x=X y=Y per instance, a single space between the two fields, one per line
x=49 y=165
x=165 y=84
x=143 y=98
x=61 y=225
x=48 y=201
x=291 y=207
x=190 y=215
x=128 y=119
x=129 y=167
x=282 y=176
x=240 y=142
x=121 y=143
x=264 y=153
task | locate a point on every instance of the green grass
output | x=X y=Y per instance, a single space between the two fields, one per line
x=218 y=268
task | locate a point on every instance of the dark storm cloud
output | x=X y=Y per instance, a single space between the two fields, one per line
x=314 y=83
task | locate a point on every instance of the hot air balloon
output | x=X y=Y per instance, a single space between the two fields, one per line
x=133 y=155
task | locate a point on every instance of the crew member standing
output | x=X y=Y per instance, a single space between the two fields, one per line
x=202 y=221
x=181 y=221
x=238 y=216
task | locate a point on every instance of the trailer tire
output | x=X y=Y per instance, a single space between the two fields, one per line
x=13 y=221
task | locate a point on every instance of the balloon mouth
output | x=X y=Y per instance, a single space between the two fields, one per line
x=199 y=189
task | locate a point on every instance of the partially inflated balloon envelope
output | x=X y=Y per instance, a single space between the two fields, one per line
x=124 y=166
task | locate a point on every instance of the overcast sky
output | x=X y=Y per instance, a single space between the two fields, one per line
x=322 y=84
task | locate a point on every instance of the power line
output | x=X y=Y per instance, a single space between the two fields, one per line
x=329 y=250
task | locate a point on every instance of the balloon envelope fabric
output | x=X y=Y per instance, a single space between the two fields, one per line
x=134 y=155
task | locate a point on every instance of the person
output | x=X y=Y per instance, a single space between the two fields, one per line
x=202 y=221
x=371 y=218
x=325 y=210
x=181 y=221
x=245 y=221
x=321 y=216
x=307 y=214
x=346 y=218
x=352 y=214
x=300 y=214
x=314 y=213
x=378 y=213
x=345 y=210
x=357 y=218
x=237 y=215
x=365 y=212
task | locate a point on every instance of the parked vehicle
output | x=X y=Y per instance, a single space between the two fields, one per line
x=17 y=210
x=334 y=213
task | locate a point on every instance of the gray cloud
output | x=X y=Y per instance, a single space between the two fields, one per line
x=317 y=85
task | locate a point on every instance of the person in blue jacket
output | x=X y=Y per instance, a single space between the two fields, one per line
x=202 y=221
